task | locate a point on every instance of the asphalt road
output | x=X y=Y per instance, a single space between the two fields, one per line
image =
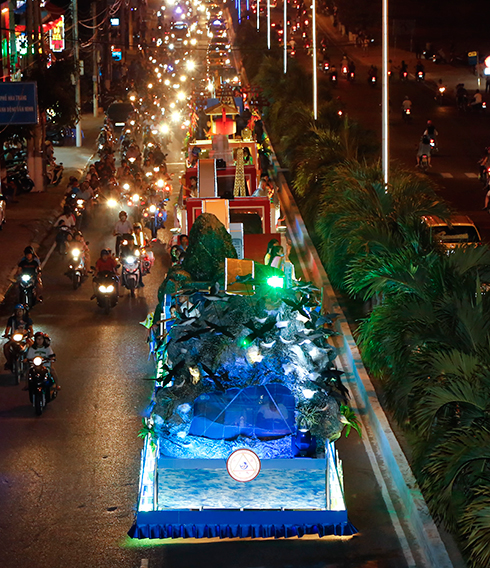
x=461 y=140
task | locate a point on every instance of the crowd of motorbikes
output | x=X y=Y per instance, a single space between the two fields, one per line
x=139 y=188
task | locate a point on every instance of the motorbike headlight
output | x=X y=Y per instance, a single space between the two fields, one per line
x=126 y=186
x=75 y=253
x=130 y=259
x=156 y=169
x=160 y=183
x=132 y=160
x=110 y=289
x=152 y=208
x=136 y=197
x=102 y=289
x=148 y=174
x=137 y=252
x=37 y=361
x=17 y=337
x=80 y=202
x=111 y=203
x=25 y=278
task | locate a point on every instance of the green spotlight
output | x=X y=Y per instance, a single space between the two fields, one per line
x=275 y=282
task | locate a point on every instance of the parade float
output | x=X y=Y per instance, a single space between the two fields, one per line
x=239 y=438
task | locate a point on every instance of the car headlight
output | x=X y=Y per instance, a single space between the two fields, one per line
x=37 y=361
x=25 y=278
x=17 y=337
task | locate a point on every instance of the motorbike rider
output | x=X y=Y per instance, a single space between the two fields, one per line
x=78 y=242
x=42 y=348
x=333 y=73
x=424 y=149
x=461 y=95
x=403 y=70
x=18 y=322
x=373 y=72
x=30 y=264
x=431 y=132
x=344 y=62
x=419 y=68
x=106 y=263
x=477 y=101
x=352 y=67
x=406 y=104
x=123 y=227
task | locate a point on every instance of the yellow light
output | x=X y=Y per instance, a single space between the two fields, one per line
x=166 y=82
x=111 y=203
x=164 y=129
x=176 y=116
x=136 y=197
x=181 y=96
x=183 y=78
x=160 y=183
x=172 y=105
x=193 y=41
x=150 y=85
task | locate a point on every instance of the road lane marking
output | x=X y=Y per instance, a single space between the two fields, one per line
x=446 y=175
x=50 y=252
x=471 y=175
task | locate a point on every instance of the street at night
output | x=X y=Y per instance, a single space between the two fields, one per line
x=189 y=232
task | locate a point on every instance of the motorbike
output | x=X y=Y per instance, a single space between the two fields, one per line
x=79 y=211
x=76 y=268
x=131 y=271
x=19 y=177
x=325 y=66
x=423 y=162
x=403 y=75
x=433 y=146
x=333 y=77
x=420 y=75
x=27 y=286
x=373 y=79
x=154 y=218
x=440 y=97
x=19 y=348
x=106 y=292
x=54 y=172
x=41 y=385
x=344 y=69
x=407 y=114
x=351 y=76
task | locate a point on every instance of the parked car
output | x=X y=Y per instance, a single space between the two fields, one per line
x=457 y=231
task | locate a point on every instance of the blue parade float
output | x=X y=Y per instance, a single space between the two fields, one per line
x=239 y=440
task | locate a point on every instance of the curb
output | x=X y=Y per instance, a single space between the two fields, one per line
x=41 y=232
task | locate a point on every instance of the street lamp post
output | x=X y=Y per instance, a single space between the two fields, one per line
x=268 y=24
x=258 y=14
x=385 y=154
x=285 y=36
x=315 y=68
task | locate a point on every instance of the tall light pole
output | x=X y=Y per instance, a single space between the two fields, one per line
x=258 y=14
x=385 y=153
x=76 y=57
x=315 y=68
x=285 y=36
x=268 y=24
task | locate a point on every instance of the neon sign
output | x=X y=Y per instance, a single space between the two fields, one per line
x=57 y=35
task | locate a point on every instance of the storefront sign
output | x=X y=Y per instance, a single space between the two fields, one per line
x=18 y=103
x=57 y=35
x=243 y=465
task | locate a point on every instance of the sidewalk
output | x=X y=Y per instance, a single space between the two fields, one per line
x=29 y=221
x=451 y=75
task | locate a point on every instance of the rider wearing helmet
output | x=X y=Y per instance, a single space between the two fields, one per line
x=18 y=322
x=30 y=264
x=42 y=348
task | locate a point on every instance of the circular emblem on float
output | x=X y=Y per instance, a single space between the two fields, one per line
x=243 y=465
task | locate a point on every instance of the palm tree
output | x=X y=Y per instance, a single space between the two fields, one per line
x=355 y=213
x=475 y=527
